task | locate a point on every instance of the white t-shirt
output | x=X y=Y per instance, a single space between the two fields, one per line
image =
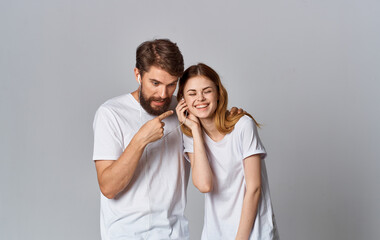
x=224 y=204
x=152 y=205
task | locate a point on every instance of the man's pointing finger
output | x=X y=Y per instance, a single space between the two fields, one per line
x=165 y=115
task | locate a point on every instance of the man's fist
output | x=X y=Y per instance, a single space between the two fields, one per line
x=154 y=129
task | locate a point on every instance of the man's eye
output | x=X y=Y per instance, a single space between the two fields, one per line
x=155 y=83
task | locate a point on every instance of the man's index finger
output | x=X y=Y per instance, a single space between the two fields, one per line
x=165 y=115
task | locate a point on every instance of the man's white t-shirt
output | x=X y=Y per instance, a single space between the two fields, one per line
x=224 y=204
x=152 y=205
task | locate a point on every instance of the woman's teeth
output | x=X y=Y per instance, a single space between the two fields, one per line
x=201 y=106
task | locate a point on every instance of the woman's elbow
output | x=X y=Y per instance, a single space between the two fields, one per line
x=254 y=191
x=205 y=187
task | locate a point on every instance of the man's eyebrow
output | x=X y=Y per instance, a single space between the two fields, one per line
x=202 y=89
x=175 y=81
x=155 y=80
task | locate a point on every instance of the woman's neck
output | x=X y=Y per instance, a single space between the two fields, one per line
x=208 y=124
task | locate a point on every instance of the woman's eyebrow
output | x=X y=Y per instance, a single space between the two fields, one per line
x=195 y=90
x=206 y=88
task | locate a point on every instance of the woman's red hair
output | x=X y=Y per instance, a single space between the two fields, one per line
x=223 y=122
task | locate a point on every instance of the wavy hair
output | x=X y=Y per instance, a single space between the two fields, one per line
x=223 y=122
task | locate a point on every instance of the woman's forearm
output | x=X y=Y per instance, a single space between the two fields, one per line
x=248 y=213
x=201 y=171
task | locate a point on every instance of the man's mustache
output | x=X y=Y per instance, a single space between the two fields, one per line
x=159 y=99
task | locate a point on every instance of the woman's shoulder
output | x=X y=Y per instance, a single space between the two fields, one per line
x=245 y=121
x=245 y=125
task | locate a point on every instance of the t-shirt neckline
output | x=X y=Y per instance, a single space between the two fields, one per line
x=209 y=139
x=134 y=100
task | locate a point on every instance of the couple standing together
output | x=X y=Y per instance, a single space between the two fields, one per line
x=146 y=141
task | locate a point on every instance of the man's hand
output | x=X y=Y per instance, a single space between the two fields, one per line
x=114 y=176
x=154 y=129
x=235 y=110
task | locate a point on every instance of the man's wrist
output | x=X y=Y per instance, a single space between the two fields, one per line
x=139 y=141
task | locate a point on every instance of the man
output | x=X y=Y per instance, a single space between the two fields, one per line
x=140 y=167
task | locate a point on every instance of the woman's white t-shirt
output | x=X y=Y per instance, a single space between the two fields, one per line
x=224 y=204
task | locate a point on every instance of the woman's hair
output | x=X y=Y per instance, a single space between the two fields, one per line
x=161 y=53
x=224 y=123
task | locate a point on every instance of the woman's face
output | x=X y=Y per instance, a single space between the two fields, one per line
x=201 y=97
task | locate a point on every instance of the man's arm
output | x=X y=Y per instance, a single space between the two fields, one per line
x=115 y=175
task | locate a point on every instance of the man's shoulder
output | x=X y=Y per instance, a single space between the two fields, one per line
x=124 y=101
x=118 y=106
x=117 y=100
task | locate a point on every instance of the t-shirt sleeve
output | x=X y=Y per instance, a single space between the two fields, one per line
x=107 y=136
x=188 y=146
x=251 y=143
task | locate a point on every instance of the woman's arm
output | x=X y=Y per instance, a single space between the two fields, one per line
x=252 y=171
x=200 y=167
x=201 y=171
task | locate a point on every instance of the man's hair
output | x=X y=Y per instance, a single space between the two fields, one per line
x=223 y=122
x=161 y=53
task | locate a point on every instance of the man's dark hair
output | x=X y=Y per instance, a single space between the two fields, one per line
x=161 y=53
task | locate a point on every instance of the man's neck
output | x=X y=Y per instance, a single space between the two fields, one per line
x=135 y=94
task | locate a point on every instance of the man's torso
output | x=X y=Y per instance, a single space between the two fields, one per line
x=152 y=205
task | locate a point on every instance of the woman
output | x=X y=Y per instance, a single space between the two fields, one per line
x=226 y=157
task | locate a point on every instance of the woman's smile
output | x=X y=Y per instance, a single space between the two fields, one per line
x=201 y=97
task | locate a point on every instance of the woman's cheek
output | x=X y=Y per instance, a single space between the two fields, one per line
x=189 y=103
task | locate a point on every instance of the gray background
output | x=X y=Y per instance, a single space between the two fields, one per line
x=307 y=70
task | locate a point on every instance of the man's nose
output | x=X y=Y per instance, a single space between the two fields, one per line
x=164 y=92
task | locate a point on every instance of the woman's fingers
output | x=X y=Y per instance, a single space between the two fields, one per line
x=181 y=108
x=192 y=117
x=188 y=119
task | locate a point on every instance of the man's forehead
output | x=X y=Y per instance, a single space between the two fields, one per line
x=159 y=74
x=158 y=70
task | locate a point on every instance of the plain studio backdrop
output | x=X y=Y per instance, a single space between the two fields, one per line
x=307 y=70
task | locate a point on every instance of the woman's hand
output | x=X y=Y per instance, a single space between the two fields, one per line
x=185 y=117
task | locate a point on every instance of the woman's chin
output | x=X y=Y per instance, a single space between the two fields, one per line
x=204 y=116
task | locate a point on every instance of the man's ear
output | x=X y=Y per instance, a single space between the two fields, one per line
x=137 y=75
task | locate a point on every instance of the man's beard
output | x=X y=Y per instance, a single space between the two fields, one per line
x=146 y=104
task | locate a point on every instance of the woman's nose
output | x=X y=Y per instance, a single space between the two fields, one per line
x=201 y=97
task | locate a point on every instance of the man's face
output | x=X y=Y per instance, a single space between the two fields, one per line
x=156 y=90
